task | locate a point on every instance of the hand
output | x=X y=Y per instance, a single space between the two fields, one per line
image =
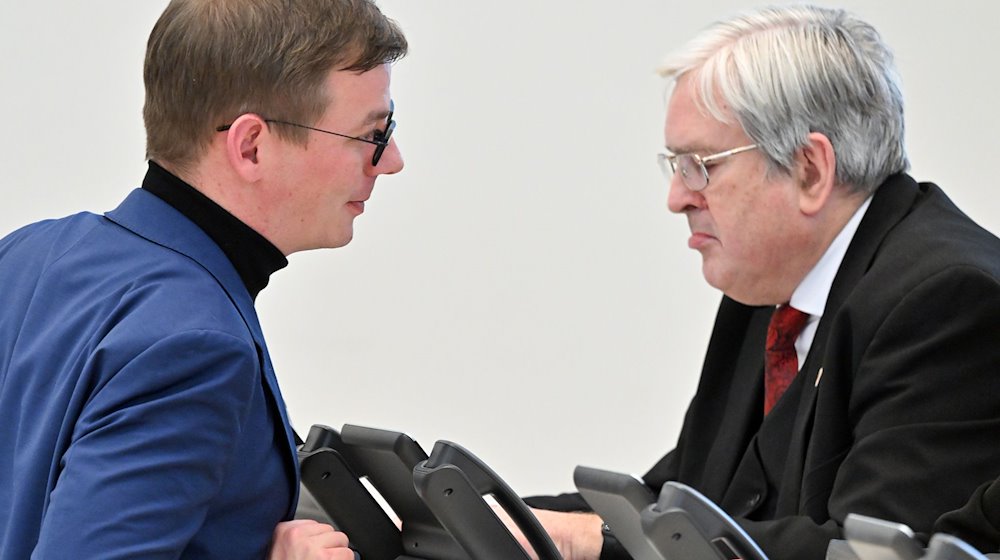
x=576 y=535
x=305 y=539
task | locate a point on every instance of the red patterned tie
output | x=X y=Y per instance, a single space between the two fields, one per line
x=780 y=361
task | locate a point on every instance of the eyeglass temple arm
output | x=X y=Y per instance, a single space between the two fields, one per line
x=728 y=153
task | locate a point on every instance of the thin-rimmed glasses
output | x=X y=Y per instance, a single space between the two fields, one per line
x=692 y=166
x=380 y=138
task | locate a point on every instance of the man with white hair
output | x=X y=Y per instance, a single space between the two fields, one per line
x=853 y=364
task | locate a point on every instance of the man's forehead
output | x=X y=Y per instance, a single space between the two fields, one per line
x=377 y=115
x=690 y=128
x=366 y=93
x=701 y=134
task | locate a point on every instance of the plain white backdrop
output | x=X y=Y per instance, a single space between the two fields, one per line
x=520 y=287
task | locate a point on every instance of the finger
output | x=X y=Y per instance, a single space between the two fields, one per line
x=302 y=528
x=342 y=554
x=330 y=539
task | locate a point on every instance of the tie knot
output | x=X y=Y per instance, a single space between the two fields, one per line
x=786 y=325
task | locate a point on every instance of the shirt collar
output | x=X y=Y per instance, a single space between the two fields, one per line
x=811 y=294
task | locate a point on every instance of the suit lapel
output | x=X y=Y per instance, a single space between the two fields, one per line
x=892 y=201
x=740 y=374
x=150 y=217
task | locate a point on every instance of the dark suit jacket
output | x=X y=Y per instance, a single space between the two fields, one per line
x=896 y=410
x=978 y=521
x=140 y=413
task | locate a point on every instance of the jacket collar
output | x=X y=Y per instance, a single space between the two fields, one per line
x=150 y=217
x=890 y=204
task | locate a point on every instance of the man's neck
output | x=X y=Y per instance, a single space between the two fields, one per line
x=213 y=178
x=253 y=256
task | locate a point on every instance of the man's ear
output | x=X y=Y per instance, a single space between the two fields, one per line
x=243 y=140
x=817 y=164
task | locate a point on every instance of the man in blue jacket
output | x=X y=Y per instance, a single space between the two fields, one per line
x=140 y=411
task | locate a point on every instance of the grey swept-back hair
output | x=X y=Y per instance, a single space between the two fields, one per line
x=787 y=71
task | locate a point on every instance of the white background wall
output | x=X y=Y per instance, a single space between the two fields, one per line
x=520 y=288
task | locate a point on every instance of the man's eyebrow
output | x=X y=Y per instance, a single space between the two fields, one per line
x=677 y=150
x=378 y=115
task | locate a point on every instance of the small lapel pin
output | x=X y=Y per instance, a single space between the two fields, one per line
x=819 y=376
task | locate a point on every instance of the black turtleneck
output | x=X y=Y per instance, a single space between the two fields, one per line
x=253 y=256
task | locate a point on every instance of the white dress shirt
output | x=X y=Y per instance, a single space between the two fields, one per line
x=811 y=294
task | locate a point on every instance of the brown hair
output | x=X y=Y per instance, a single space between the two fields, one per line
x=209 y=61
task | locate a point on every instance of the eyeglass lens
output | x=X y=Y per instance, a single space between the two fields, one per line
x=692 y=171
x=689 y=167
x=382 y=138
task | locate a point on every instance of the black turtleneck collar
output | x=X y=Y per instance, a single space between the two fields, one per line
x=253 y=256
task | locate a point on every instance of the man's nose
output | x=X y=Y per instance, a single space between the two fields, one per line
x=680 y=198
x=391 y=160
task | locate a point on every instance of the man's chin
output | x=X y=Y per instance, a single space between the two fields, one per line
x=336 y=241
x=719 y=278
x=342 y=241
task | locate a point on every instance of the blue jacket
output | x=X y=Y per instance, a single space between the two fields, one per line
x=139 y=411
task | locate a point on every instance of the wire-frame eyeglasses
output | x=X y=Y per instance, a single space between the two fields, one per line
x=692 y=166
x=380 y=138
